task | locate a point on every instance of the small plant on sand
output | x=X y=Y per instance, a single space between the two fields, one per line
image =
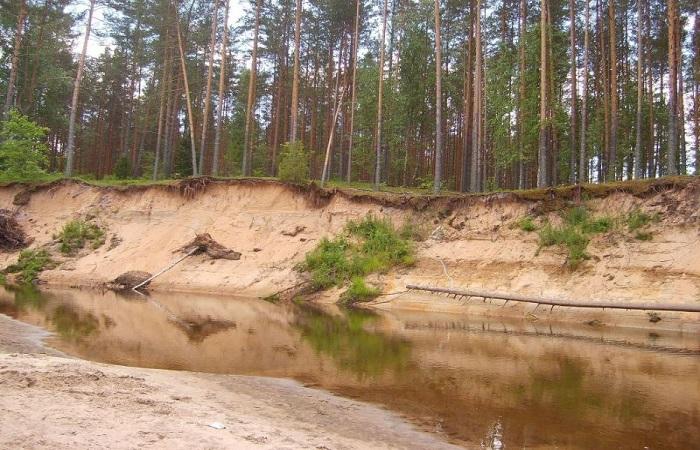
x=574 y=234
x=369 y=246
x=638 y=219
x=358 y=291
x=76 y=233
x=29 y=265
x=526 y=224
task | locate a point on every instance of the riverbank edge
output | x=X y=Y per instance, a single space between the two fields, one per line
x=109 y=406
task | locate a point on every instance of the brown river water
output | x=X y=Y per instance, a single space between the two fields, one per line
x=477 y=382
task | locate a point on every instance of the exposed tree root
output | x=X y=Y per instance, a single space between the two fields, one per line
x=12 y=236
x=204 y=243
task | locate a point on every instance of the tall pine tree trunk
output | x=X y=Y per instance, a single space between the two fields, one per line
x=250 y=107
x=574 y=82
x=295 y=75
x=438 y=101
x=640 y=94
x=222 y=90
x=522 y=26
x=207 y=95
x=612 y=24
x=380 y=101
x=672 y=154
x=542 y=179
x=353 y=102
x=10 y=97
x=583 y=154
x=70 y=145
x=474 y=178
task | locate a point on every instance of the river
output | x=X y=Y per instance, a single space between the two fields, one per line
x=474 y=381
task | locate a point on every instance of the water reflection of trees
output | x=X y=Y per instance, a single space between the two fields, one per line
x=348 y=342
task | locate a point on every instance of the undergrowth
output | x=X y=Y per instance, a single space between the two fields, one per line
x=575 y=233
x=578 y=226
x=30 y=264
x=76 y=233
x=369 y=246
x=358 y=291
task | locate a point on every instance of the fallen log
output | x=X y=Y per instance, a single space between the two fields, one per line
x=161 y=272
x=558 y=302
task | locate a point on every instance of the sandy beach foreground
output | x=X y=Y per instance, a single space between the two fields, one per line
x=49 y=401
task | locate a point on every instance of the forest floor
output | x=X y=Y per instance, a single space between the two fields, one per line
x=491 y=242
x=49 y=401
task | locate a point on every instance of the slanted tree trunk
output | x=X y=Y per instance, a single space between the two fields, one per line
x=220 y=104
x=188 y=99
x=295 y=75
x=19 y=32
x=380 y=99
x=583 y=156
x=672 y=154
x=207 y=95
x=250 y=108
x=353 y=102
x=438 y=101
x=542 y=178
x=70 y=145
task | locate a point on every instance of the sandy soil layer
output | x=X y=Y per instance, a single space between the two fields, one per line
x=472 y=242
x=58 y=403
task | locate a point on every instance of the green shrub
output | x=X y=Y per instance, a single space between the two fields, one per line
x=368 y=246
x=527 y=224
x=570 y=237
x=122 y=169
x=576 y=216
x=23 y=150
x=30 y=264
x=358 y=291
x=598 y=226
x=76 y=233
x=639 y=219
x=294 y=163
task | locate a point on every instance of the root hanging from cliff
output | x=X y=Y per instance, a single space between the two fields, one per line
x=204 y=243
x=12 y=236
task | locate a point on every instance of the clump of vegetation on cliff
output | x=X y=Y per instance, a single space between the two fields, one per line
x=29 y=265
x=76 y=233
x=369 y=246
x=578 y=226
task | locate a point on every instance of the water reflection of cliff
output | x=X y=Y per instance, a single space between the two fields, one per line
x=346 y=340
x=532 y=385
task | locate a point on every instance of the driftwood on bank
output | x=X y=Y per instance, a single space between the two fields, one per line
x=12 y=236
x=558 y=302
x=202 y=243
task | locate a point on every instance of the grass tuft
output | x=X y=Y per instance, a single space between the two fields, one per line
x=527 y=224
x=638 y=219
x=76 y=233
x=358 y=291
x=368 y=246
x=574 y=234
x=30 y=264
